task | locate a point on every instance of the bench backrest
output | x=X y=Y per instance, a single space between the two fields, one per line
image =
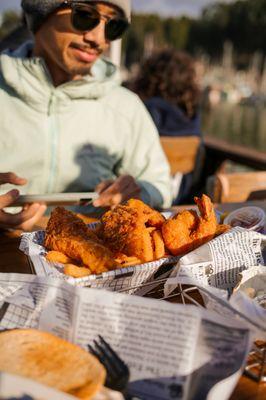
x=237 y=187
x=181 y=152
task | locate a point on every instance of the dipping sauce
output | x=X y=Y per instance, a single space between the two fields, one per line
x=251 y=218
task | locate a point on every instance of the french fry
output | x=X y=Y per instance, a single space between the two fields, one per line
x=58 y=257
x=159 y=248
x=87 y=219
x=75 y=271
x=126 y=261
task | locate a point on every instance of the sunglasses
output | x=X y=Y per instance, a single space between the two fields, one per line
x=85 y=18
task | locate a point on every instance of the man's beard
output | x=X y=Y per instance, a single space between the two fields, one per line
x=86 y=70
x=76 y=67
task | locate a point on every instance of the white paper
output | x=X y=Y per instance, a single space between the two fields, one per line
x=14 y=387
x=216 y=268
x=173 y=351
x=254 y=278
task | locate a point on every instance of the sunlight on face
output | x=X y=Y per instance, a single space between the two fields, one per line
x=69 y=53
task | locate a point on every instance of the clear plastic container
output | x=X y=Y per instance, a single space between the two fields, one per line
x=251 y=218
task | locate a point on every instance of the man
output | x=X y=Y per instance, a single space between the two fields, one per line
x=67 y=124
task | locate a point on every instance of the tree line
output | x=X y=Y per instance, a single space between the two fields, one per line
x=243 y=23
x=9 y=21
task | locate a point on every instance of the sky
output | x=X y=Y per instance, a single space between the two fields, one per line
x=163 y=7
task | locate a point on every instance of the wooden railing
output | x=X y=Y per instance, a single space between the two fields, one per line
x=219 y=151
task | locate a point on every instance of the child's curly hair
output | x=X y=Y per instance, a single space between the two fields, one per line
x=170 y=74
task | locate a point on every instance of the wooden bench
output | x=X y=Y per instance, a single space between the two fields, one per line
x=237 y=187
x=181 y=152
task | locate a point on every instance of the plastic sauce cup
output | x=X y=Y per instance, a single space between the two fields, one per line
x=250 y=218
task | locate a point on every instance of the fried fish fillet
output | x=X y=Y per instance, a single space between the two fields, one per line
x=66 y=224
x=127 y=229
x=123 y=231
x=68 y=234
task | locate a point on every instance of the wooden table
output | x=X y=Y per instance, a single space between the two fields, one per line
x=12 y=260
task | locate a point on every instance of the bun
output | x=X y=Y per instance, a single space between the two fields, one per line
x=52 y=361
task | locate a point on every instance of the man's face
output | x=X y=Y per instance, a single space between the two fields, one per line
x=68 y=50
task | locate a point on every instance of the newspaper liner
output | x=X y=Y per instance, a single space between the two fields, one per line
x=118 y=280
x=216 y=268
x=219 y=262
x=173 y=351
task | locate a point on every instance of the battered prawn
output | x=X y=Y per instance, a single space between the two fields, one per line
x=151 y=217
x=187 y=230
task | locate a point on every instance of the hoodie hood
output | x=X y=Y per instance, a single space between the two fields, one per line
x=171 y=120
x=29 y=79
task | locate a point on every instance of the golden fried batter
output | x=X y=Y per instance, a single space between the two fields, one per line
x=76 y=271
x=65 y=223
x=126 y=229
x=66 y=233
x=129 y=234
x=57 y=257
x=187 y=230
x=151 y=216
x=126 y=261
x=159 y=248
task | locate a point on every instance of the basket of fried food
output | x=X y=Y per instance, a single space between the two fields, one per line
x=131 y=234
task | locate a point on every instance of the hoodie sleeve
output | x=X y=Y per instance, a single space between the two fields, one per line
x=145 y=160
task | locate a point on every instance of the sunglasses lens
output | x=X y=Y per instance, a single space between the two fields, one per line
x=83 y=19
x=115 y=28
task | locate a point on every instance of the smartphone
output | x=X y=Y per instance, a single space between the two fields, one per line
x=56 y=199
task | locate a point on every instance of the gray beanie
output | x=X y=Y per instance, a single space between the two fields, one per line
x=37 y=11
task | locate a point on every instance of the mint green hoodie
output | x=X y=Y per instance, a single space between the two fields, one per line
x=72 y=137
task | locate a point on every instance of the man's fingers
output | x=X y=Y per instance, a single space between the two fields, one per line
x=111 y=200
x=124 y=196
x=106 y=196
x=15 y=220
x=10 y=177
x=8 y=198
x=103 y=186
x=130 y=194
x=121 y=184
x=28 y=225
x=124 y=188
x=116 y=186
x=111 y=186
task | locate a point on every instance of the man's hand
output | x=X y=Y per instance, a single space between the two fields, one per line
x=28 y=216
x=115 y=192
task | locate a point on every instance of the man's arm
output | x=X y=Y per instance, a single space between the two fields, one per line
x=145 y=160
x=144 y=171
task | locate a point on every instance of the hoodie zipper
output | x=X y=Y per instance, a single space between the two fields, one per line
x=53 y=133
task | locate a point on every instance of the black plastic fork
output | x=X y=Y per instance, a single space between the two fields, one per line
x=117 y=371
